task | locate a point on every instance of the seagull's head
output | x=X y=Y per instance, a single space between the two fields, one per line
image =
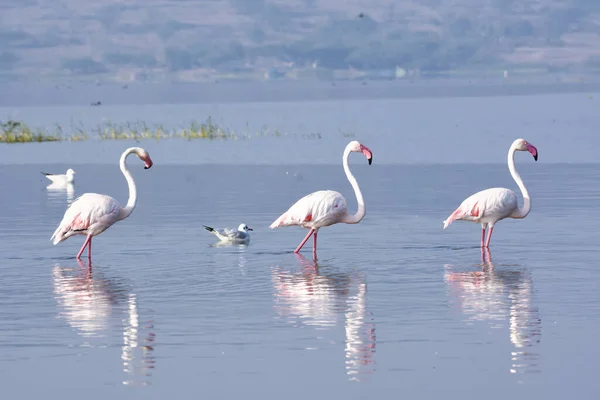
x=244 y=228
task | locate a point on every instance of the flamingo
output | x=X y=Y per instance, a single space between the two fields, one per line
x=492 y=205
x=61 y=179
x=326 y=207
x=92 y=213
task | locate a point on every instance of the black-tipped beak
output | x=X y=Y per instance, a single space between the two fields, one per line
x=250 y=229
x=533 y=150
x=147 y=162
x=370 y=160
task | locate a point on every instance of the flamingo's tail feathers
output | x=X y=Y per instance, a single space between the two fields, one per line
x=447 y=222
x=450 y=220
x=278 y=222
x=275 y=224
x=208 y=228
x=285 y=220
x=453 y=217
x=59 y=235
x=45 y=173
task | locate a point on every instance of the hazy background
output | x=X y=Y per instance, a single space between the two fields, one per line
x=200 y=40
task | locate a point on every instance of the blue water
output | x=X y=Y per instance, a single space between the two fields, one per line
x=394 y=305
x=431 y=131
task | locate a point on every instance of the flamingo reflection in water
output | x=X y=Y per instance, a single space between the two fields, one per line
x=496 y=296
x=92 y=305
x=323 y=300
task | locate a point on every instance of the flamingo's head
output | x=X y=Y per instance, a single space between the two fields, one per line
x=70 y=172
x=524 y=145
x=244 y=228
x=358 y=147
x=145 y=157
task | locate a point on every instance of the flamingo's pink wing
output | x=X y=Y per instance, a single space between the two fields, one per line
x=313 y=208
x=81 y=221
x=88 y=210
x=474 y=211
x=498 y=202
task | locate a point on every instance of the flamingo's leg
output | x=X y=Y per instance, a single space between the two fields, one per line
x=304 y=241
x=483 y=228
x=315 y=246
x=487 y=243
x=90 y=249
x=87 y=241
x=488 y=255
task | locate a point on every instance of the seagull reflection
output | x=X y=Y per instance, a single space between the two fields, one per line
x=322 y=300
x=94 y=306
x=242 y=258
x=241 y=251
x=56 y=191
x=500 y=295
x=227 y=244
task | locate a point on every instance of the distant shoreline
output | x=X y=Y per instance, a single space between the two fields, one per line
x=112 y=94
x=18 y=132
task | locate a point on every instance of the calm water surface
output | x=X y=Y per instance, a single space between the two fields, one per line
x=393 y=303
x=393 y=307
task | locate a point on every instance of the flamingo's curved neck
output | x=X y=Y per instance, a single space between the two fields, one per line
x=520 y=212
x=353 y=219
x=126 y=212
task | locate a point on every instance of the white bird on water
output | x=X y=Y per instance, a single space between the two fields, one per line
x=241 y=236
x=61 y=179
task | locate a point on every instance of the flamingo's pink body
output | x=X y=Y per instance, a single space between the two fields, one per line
x=325 y=207
x=92 y=213
x=492 y=205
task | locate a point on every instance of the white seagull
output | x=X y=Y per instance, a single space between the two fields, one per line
x=61 y=178
x=241 y=236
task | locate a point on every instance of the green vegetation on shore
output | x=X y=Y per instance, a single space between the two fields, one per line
x=18 y=132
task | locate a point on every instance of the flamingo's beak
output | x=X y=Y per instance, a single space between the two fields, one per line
x=250 y=229
x=147 y=163
x=531 y=148
x=367 y=152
